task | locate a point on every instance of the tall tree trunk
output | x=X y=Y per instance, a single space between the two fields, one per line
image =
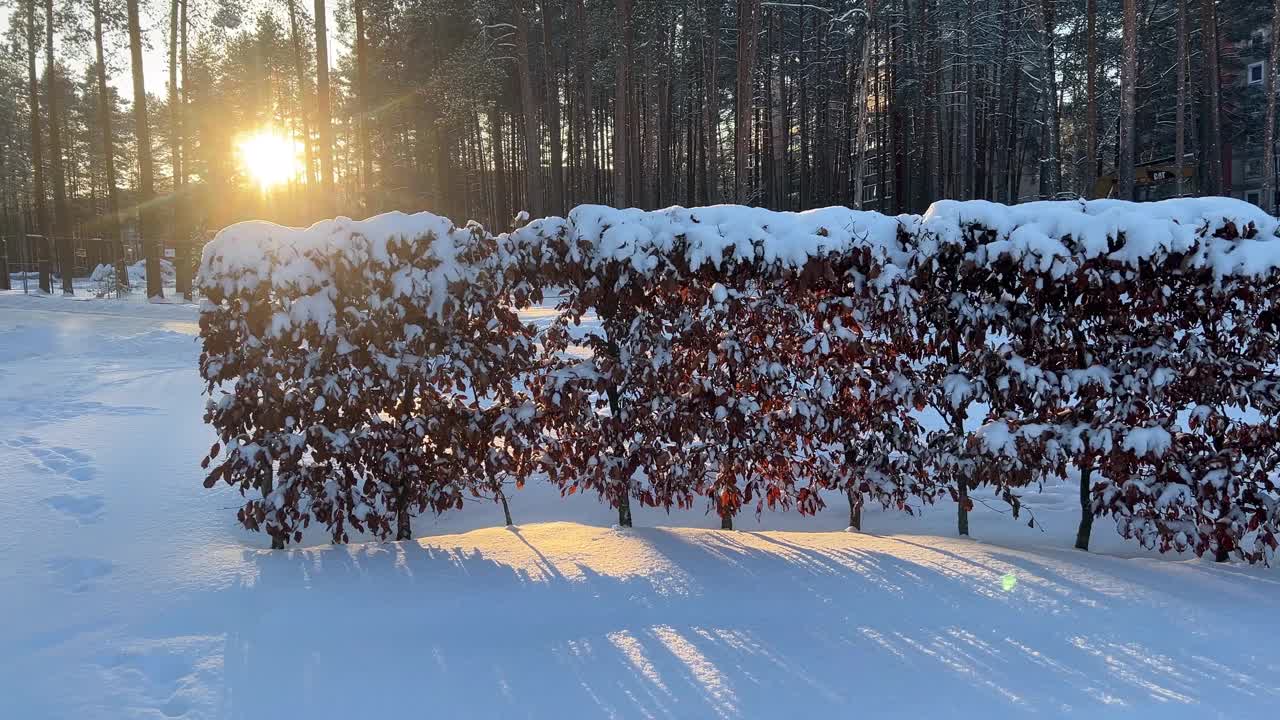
x=551 y=106
x=532 y=146
x=935 y=105
x=969 y=161
x=1211 y=147
x=501 y=201
x=583 y=29
x=41 y=249
x=1004 y=102
x=362 y=96
x=711 y=104
x=1128 y=88
x=748 y=29
x=620 y=110
x=327 y=200
x=636 y=120
x=777 y=131
x=304 y=112
x=1091 y=97
x=863 y=101
x=108 y=151
x=1269 y=131
x=61 y=221
x=1180 y=123
x=802 y=79
x=666 y=184
x=180 y=236
x=1049 y=100
x=146 y=182
x=185 y=281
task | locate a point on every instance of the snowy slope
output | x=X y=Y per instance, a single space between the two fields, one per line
x=127 y=590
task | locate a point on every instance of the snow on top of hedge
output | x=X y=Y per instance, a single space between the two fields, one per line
x=1037 y=233
x=721 y=233
x=1050 y=237
x=244 y=255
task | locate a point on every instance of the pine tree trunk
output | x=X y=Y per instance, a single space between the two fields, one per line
x=532 y=146
x=108 y=151
x=777 y=148
x=300 y=76
x=1049 y=100
x=363 y=104
x=1180 y=123
x=1003 y=152
x=1091 y=98
x=1269 y=129
x=666 y=184
x=323 y=119
x=501 y=201
x=61 y=221
x=748 y=29
x=146 y=183
x=180 y=238
x=551 y=106
x=802 y=79
x=37 y=153
x=935 y=107
x=620 y=110
x=184 y=279
x=591 y=185
x=1086 y=508
x=711 y=105
x=969 y=163
x=1128 y=96
x=863 y=101
x=1211 y=147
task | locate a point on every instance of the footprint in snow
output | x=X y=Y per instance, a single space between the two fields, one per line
x=78 y=574
x=174 y=677
x=63 y=461
x=83 y=508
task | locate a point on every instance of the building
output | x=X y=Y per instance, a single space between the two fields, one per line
x=1242 y=172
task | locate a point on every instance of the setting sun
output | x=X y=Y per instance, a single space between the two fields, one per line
x=268 y=158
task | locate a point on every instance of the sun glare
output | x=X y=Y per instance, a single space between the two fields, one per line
x=269 y=158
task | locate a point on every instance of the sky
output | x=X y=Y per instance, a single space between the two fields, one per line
x=155 y=28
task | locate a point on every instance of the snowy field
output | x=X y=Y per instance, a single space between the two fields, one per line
x=128 y=591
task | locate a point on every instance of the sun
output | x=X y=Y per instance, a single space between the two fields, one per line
x=268 y=157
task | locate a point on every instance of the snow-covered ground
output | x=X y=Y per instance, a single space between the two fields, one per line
x=127 y=590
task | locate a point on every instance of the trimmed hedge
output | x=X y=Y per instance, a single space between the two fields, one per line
x=365 y=372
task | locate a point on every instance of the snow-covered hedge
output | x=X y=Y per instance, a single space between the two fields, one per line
x=376 y=369
x=731 y=361
x=365 y=371
x=1137 y=343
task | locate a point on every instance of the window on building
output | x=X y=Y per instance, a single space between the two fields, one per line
x=1253 y=167
x=1255 y=73
x=1253 y=196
